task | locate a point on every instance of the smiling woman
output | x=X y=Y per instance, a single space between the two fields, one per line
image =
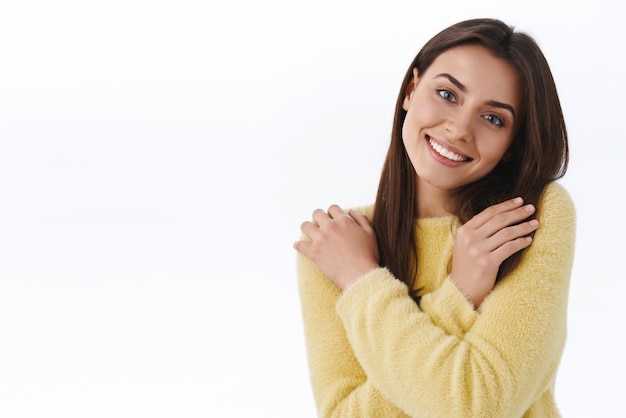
x=466 y=126
x=448 y=296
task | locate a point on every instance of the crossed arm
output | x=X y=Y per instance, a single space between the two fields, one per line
x=374 y=352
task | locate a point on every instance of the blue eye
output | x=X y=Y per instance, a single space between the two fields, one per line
x=446 y=95
x=495 y=120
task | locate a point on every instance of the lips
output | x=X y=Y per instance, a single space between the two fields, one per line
x=446 y=153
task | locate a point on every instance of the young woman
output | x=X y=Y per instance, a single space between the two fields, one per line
x=448 y=297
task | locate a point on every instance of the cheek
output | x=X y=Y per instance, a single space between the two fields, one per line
x=406 y=130
x=426 y=113
x=495 y=149
x=411 y=135
x=411 y=125
x=409 y=139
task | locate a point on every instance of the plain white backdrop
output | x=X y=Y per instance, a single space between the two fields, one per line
x=158 y=157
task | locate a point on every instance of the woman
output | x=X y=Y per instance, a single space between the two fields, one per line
x=448 y=297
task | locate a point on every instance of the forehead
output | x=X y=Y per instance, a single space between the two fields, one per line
x=482 y=73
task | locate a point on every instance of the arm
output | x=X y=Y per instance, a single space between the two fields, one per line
x=460 y=362
x=340 y=387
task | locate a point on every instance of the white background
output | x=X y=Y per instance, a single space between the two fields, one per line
x=158 y=157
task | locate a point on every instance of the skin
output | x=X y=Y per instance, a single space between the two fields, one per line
x=454 y=105
x=465 y=104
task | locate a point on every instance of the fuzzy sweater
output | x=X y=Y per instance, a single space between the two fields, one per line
x=373 y=352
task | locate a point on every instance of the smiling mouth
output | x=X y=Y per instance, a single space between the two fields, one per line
x=446 y=153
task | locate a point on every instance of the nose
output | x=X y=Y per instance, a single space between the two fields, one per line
x=460 y=126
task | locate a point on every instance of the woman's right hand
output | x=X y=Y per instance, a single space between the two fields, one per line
x=485 y=241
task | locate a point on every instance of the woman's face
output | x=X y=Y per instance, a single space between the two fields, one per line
x=461 y=117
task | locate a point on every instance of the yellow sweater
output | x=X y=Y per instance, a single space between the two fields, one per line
x=373 y=352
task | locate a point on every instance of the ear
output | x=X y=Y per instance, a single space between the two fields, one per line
x=410 y=88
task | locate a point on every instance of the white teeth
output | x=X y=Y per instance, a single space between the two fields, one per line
x=446 y=152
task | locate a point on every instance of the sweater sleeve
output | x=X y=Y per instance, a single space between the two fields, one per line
x=496 y=361
x=340 y=387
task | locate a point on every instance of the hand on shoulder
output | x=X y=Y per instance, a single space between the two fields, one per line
x=485 y=241
x=342 y=244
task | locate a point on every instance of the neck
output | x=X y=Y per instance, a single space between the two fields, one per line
x=431 y=201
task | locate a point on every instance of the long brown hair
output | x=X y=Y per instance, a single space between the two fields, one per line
x=538 y=154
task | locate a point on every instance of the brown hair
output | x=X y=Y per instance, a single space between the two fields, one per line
x=538 y=154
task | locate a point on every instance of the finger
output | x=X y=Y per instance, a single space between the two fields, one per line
x=511 y=247
x=483 y=217
x=360 y=219
x=303 y=247
x=512 y=233
x=310 y=230
x=505 y=219
x=320 y=217
x=334 y=211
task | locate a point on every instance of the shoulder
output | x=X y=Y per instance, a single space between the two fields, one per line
x=556 y=202
x=557 y=221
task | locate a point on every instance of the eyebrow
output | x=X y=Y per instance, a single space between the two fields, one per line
x=462 y=87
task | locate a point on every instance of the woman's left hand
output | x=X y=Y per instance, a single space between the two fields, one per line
x=343 y=245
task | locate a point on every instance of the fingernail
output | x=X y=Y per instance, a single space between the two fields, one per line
x=534 y=222
x=518 y=200
x=529 y=208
